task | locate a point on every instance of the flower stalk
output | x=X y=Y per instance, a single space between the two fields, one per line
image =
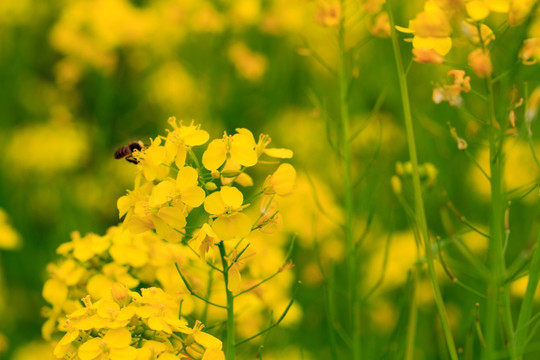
x=230 y=342
x=420 y=215
x=352 y=266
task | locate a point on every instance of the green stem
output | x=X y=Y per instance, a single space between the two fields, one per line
x=528 y=300
x=418 y=201
x=413 y=316
x=496 y=250
x=229 y=348
x=347 y=184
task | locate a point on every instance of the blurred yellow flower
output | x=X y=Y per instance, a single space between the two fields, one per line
x=9 y=238
x=480 y=61
x=249 y=64
x=46 y=149
x=431 y=29
x=114 y=345
x=480 y=9
x=520 y=169
x=281 y=182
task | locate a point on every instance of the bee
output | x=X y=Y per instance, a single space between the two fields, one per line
x=126 y=151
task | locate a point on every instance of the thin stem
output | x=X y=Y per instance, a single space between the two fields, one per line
x=208 y=293
x=476 y=164
x=495 y=249
x=190 y=289
x=528 y=300
x=418 y=201
x=347 y=184
x=274 y=324
x=413 y=317
x=230 y=345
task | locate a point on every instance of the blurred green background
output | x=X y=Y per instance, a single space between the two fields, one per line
x=79 y=78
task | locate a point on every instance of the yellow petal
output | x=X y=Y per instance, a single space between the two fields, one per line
x=99 y=286
x=282 y=181
x=198 y=137
x=215 y=154
x=55 y=291
x=248 y=135
x=232 y=196
x=123 y=204
x=90 y=349
x=168 y=356
x=156 y=323
x=162 y=193
x=442 y=45
x=207 y=340
x=404 y=29
x=232 y=226
x=244 y=180
x=235 y=279
x=136 y=225
x=118 y=338
x=127 y=353
x=477 y=9
x=173 y=216
x=193 y=196
x=213 y=204
x=161 y=226
x=499 y=6
x=243 y=150
x=181 y=154
x=187 y=177
x=279 y=153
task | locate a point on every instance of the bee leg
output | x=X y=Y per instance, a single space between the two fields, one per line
x=132 y=160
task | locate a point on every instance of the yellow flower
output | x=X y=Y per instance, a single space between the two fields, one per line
x=85 y=248
x=431 y=29
x=204 y=241
x=181 y=139
x=160 y=311
x=248 y=63
x=281 y=182
x=471 y=31
x=452 y=92
x=115 y=345
x=153 y=161
x=238 y=148
x=206 y=340
x=519 y=10
x=480 y=61
x=480 y=9
x=226 y=206
x=329 y=13
x=530 y=51
x=9 y=238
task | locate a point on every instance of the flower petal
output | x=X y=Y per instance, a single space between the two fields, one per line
x=232 y=196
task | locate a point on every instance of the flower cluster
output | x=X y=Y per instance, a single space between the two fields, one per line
x=128 y=325
x=441 y=24
x=186 y=230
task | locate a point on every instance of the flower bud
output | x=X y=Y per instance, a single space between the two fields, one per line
x=210 y=186
x=480 y=62
x=396 y=185
x=120 y=294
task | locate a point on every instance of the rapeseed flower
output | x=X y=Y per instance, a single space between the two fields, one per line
x=9 y=238
x=238 y=148
x=225 y=207
x=480 y=61
x=452 y=92
x=431 y=29
x=114 y=345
